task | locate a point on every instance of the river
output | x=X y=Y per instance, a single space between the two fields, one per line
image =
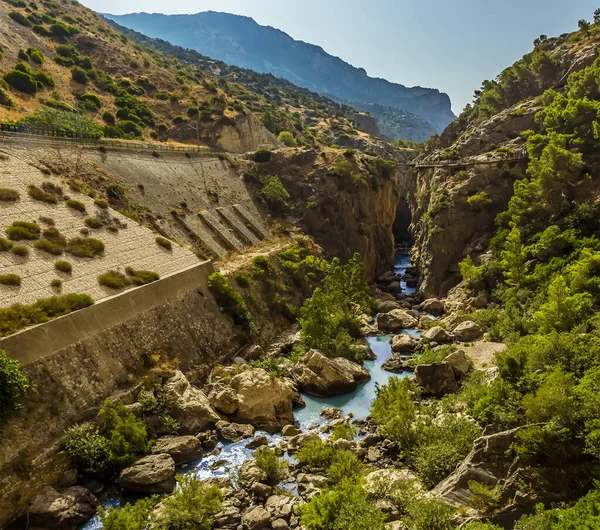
x=231 y=455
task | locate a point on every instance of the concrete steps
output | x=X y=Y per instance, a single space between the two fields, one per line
x=232 y=219
x=252 y=221
x=203 y=238
x=223 y=232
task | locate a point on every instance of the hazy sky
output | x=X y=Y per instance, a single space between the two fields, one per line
x=451 y=45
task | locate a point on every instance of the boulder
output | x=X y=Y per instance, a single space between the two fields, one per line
x=234 y=432
x=459 y=362
x=403 y=342
x=385 y=306
x=192 y=408
x=280 y=506
x=224 y=400
x=331 y=413
x=279 y=524
x=66 y=510
x=437 y=379
x=250 y=473
x=257 y=442
x=183 y=449
x=395 y=320
x=367 y=353
x=437 y=334
x=434 y=306
x=151 y=474
x=320 y=376
x=255 y=518
x=289 y=430
x=396 y=363
x=264 y=402
x=467 y=331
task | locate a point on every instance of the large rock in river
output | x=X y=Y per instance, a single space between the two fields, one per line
x=437 y=378
x=66 y=510
x=192 y=408
x=395 y=320
x=403 y=342
x=265 y=402
x=151 y=474
x=323 y=377
x=182 y=449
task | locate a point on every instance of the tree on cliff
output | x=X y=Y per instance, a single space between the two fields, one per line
x=13 y=385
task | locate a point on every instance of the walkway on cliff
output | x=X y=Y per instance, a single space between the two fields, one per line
x=510 y=157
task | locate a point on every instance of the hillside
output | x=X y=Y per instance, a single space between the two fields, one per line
x=242 y=42
x=56 y=58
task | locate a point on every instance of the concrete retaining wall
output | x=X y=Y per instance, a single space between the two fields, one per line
x=39 y=341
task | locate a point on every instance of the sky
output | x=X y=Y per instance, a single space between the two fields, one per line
x=451 y=45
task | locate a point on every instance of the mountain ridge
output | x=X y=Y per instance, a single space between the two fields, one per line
x=241 y=41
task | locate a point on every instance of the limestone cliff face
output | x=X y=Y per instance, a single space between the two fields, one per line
x=343 y=217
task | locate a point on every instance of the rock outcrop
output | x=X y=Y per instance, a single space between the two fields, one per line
x=320 y=376
x=403 y=343
x=437 y=379
x=151 y=474
x=264 y=402
x=396 y=319
x=64 y=511
x=182 y=449
x=467 y=331
x=437 y=334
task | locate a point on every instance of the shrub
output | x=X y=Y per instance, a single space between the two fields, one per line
x=56 y=283
x=484 y=498
x=79 y=75
x=108 y=117
x=63 y=266
x=114 y=280
x=90 y=102
x=39 y=194
x=346 y=506
x=20 y=250
x=93 y=222
x=267 y=460
x=287 y=138
x=87 y=448
x=479 y=200
x=22 y=81
x=87 y=247
x=76 y=205
x=5 y=245
x=13 y=385
x=430 y=515
x=44 y=78
x=35 y=55
x=343 y=431
x=5 y=99
x=101 y=203
x=262 y=155
x=19 y=18
x=273 y=365
x=51 y=247
x=47 y=221
x=9 y=195
x=10 y=279
x=141 y=277
x=129 y=517
x=315 y=454
x=232 y=302
x=274 y=192
x=23 y=230
x=165 y=243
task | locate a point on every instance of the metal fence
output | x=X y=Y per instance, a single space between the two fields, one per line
x=508 y=157
x=40 y=135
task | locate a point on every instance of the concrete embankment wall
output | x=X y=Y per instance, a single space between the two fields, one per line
x=77 y=361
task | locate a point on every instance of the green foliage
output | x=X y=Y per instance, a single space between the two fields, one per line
x=232 y=302
x=87 y=247
x=193 y=506
x=274 y=192
x=63 y=266
x=20 y=18
x=430 y=515
x=20 y=230
x=273 y=365
x=9 y=195
x=471 y=274
x=484 y=498
x=479 y=200
x=62 y=120
x=41 y=195
x=20 y=250
x=114 y=280
x=87 y=448
x=345 y=507
x=164 y=243
x=141 y=277
x=51 y=247
x=129 y=517
x=22 y=81
x=101 y=203
x=18 y=316
x=262 y=155
x=329 y=318
x=287 y=139
x=5 y=245
x=13 y=385
x=343 y=431
x=10 y=279
x=274 y=467
x=76 y=205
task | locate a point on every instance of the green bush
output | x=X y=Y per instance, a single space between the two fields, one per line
x=20 y=230
x=315 y=454
x=9 y=195
x=274 y=192
x=273 y=365
x=75 y=205
x=90 y=101
x=193 y=505
x=101 y=203
x=41 y=195
x=51 y=247
x=22 y=81
x=141 y=277
x=5 y=245
x=87 y=448
x=343 y=431
x=18 y=316
x=129 y=517
x=345 y=507
x=20 y=18
x=87 y=247
x=10 y=279
x=287 y=138
x=35 y=55
x=274 y=467
x=79 y=75
x=93 y=222
x=165 y=243
x=63 y=266
x=20 y=250
x=13 y=385
x=430 y=515
x=479 y=200
x=232 y=302
x=484 y=498
x=114 y=280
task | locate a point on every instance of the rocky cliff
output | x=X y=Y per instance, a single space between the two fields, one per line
x=241 y=41
x=466 y=178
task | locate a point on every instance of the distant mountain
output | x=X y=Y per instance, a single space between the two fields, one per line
x=242 y=42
